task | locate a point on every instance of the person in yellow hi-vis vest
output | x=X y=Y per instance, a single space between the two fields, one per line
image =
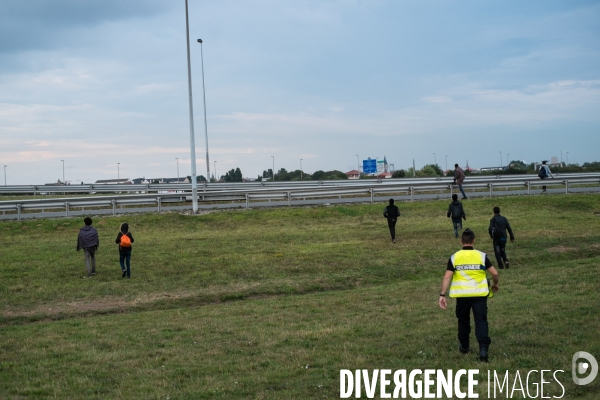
x=466 y=276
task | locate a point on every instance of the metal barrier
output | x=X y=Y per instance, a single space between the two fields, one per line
x=362 y=190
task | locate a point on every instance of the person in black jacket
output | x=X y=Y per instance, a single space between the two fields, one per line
x=498 y=227
x=456 y=211
x=392 y=213
x=125 y=249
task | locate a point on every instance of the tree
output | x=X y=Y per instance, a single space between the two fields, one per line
x=399 y=174
x=233 y=175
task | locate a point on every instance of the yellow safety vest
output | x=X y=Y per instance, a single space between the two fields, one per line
x=469 y=279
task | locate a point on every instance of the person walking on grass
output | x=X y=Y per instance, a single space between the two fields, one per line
x=459 y=178
x=466 y=277
x=498 y=227
x=124 y=240
x=392 y=213
x=89 y=242
x=456 y=211
x=544 y=173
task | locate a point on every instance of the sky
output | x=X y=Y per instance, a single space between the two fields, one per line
x=103 y=85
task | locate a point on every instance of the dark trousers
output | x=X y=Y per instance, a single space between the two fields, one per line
x=90 y=260
x=457 y=223
x=125 y=259
x=392 y=226
x=462 y=191
x=463 y=313
x=543 y=187
x=500 y=252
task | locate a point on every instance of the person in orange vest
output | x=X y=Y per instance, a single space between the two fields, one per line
x=466 y=277
x=124 y=240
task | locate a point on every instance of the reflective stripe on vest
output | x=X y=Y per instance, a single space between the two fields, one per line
x=469 y=279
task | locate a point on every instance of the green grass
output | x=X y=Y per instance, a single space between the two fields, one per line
x=271 y=304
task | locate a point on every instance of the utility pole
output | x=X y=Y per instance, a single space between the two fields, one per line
x=191 y=107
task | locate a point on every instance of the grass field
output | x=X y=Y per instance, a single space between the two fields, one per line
x=271 y=304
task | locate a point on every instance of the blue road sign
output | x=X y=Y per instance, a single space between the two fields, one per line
x=369 y=166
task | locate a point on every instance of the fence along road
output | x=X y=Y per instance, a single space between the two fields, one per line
x=109 y=199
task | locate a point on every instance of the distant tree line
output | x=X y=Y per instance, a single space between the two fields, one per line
x=515 y=167
x=284 y=175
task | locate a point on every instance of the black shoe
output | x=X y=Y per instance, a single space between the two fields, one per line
x=483 y=354
x=506 y=264
x=123 y=274
x=393 y=240
x=462 y=349
x=501 y=266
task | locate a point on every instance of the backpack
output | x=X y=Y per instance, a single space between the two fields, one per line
x=496 y=231
x=125 y=241
x=542 y=172
x=456 y=213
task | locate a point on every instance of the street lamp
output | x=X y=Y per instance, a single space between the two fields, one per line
x=177 y=169
x=204 y=98
x=300 y=169
x=357 y=164
x=216 y=176
x=434 y=159
x=507 y=162
x=500 y=159
x=118 y=173
x=192 y=140
x=567 y=158
x=63 y=162
x=446 y=162
x=5 y=175
x=273 y=170
x=560 y=158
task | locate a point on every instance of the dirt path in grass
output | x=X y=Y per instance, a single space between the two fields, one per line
x=158 y=301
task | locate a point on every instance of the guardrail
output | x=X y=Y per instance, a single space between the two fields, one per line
x=205 y=187
x=248 y=194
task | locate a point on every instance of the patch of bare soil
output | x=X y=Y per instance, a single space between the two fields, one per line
x=561 y=249
x=112 y=304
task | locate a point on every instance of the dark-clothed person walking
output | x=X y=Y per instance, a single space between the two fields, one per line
x=459 y=178
x=544 y=173
x=125 y=240
x=392 y=213
x=498 y=227
x=89 y=242
x=466 y=277
x=456 y=211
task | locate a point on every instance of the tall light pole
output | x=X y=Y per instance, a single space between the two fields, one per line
x=63 y=162
x=118 y=172
x=300 y=169
x=500 y=159
x=177 y=169
x=216 y=177
x=357 y=164
x=567 y=158
x=507 y=162
x=560 y=158
x=192 y=140
x=446 y=162
x=273 y=170
x=434 y=159
x=5 y=175
x=204 y=98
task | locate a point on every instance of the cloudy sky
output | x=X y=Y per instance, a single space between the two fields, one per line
x=96 y=83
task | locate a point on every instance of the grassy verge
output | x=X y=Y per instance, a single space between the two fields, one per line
x=273 y=303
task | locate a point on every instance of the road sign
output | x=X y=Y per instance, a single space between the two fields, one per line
x=369 y=166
